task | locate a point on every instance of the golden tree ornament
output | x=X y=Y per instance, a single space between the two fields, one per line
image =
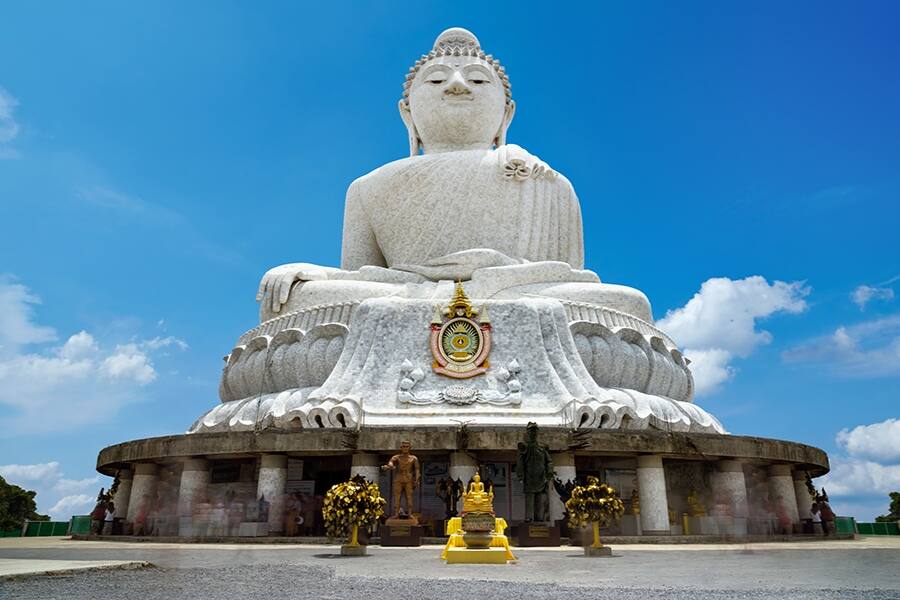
x=595 y=503
x=350 y=505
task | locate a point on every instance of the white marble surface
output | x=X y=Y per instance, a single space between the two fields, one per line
x=342 y=347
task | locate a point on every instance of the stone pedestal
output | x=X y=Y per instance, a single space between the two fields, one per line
x=630 y=525
x=781 y=484
x=367 y=465
x=801 y=492
x=353 y=550
x=652 y=492
x=146 y=476
x=194 y=482
x=536 y=534
x=602 y=552
x=462 y=467
x=401 y=535
x=271 y=486
x=122 y=499
x=253 y=529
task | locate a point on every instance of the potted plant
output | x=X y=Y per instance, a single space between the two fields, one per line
x=598 y=504
x=347 y=507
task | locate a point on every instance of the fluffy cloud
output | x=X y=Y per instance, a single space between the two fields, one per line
x=16 y=314
x=880 y=441
x=719 y=323
x=868 y=349
x=65 y=497
x=867 y=469
x=76 y=504
x=72 y=384
x=865 y=294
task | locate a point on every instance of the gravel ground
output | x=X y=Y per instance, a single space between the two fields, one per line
x=300 y=581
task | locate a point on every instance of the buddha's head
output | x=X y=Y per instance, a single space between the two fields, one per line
x=456 y=97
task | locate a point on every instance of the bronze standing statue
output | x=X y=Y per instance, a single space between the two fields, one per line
x=534 y=468
x=406 y=479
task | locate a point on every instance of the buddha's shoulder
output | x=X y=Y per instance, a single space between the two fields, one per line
x=509 y=162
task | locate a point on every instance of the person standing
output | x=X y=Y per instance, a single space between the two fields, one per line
x=816 y=517
x=108 y=518
x=97 y=516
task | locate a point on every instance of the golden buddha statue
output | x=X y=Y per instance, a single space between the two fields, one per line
x=696 y=507
x=476 y=499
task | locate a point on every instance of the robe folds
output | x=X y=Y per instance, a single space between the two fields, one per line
x=445 y=215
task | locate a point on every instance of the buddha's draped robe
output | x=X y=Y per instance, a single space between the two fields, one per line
x=445 y=215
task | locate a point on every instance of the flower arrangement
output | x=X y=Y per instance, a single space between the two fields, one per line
x=595 y=503
x=350 y=505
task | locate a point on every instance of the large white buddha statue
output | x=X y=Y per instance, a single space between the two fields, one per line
x=467 y=203
x=337 y=347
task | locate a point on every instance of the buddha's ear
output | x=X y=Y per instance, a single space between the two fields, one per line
x=414 y=141
x=508 y=113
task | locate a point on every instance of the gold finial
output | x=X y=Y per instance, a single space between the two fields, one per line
x=460 y=301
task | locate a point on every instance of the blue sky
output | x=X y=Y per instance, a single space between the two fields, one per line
x=156 y=159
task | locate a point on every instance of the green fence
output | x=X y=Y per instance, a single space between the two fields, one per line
x=46 y=528
x=845 y=525
x=80 y=524
x=878 y=528
x=11 y=533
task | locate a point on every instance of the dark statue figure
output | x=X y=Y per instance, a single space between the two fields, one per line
x=534 y=468
x=450 y=491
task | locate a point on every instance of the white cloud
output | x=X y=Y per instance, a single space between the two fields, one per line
x=76 y=504
x=128 y=362
x=64 y=496
x=158 y=342
x=864 y=294
x=28 y=474
x=879 y=441
x=67 y=486
x=719 y=323
x=855 y=477
x=867 y=471
x=74 y=384
x=16 y=314
x=868 y=349
x=710 y=369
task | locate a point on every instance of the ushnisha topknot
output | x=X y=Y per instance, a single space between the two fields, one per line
x=457 y=41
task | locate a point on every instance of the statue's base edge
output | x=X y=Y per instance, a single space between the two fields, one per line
x=601 y=552
x=476 y=556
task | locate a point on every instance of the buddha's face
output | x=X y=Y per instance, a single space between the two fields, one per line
x=457 y=103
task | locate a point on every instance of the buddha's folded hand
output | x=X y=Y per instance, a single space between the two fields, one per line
x=276 y=284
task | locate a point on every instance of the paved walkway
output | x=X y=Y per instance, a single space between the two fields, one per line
x=832 y=569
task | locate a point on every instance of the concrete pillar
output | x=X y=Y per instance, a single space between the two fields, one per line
x=146 y=476
x=272 y=485
x=781 y=483
x=730 y=485
x=194 y=481
x=652 y=493
x=366 y=465
x=123 y=492
x=564 y=465
x=462 y=467
x=804 y=501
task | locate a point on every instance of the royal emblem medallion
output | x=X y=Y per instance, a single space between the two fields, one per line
x=460 y=343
